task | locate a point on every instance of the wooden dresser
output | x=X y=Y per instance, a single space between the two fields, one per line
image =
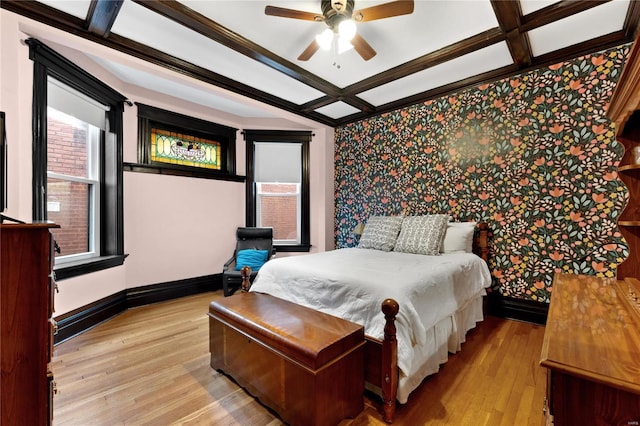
x=26 y=324
x=591 y=349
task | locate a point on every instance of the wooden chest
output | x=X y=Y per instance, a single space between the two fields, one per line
x=304 y=364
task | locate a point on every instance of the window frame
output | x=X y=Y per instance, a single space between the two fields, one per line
x=47 y=62
x=280 y=136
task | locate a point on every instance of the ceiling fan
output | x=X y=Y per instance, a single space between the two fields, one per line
x=340 y=19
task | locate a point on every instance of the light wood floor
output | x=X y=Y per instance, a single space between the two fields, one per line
x=150 y=366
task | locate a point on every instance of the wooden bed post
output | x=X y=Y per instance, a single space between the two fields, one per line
x=389 y=386
x=481 y=246
x=245 y=273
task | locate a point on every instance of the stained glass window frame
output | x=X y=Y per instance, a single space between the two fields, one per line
x=185 y=137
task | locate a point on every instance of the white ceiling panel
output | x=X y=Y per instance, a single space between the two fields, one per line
x=593 y=23
x=477 y=62
x=77 y=8
x=337 y=110
x=144 y=26
x=529 y=6
x=180 y=89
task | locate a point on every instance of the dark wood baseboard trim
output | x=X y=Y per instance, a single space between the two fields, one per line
x=88 y=316
x=518 y=309
x=145 y=295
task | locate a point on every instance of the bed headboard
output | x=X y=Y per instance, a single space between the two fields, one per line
x=481 y=240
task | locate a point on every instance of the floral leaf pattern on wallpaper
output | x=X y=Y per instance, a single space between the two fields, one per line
x=533 y=155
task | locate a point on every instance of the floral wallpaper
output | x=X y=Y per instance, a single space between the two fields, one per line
x=533 y=155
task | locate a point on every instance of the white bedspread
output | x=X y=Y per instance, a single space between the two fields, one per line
x=351 y=283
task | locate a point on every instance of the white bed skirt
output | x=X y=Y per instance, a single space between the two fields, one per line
x=447 y=336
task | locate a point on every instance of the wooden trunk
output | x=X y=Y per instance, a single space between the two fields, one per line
x=304 y=364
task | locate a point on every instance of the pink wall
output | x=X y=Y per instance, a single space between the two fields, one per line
x=175 y=227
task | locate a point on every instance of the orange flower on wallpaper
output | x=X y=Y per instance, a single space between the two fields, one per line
x=539 y=285
x=599 y=198
x=598 y=60
x=498 y=103
x=575 y=150
x=514 y=83
x=483 y=140
x=523 y=122
x=556 y=192
x=610 y=247
x=556 y=255
x=483 y=196
x=610 y=176
x=555 y=66
x=483 y=86
x=575 y=84
x=575 y=216
x=598 y=130
x=598 y=266
x=556 y=128
x=515 y=142
x=523 y=182
x=538 y=100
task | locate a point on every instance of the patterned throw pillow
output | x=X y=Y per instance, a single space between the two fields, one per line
x=422 y=234
x=380 y=233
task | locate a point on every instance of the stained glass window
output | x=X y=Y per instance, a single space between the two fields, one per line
x=185 y=150
x=176 y=144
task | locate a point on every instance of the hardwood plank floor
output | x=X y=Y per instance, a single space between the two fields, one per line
x=150 y=366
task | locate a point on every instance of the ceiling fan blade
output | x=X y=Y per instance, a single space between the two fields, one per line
x=311 y=49
x=385 y=10
x=363 y=48
x=290 y=13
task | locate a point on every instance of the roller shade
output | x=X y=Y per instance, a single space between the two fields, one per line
x=68 y=100
x=278 y=162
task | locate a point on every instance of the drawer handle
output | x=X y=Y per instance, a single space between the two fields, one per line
x=55 y=326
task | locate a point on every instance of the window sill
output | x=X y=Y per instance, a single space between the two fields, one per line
x=291 y=249
x=180 y=171
x=81 y=267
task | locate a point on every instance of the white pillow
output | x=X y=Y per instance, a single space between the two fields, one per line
x=380 y=233
x=459 y=237
x=422 y=234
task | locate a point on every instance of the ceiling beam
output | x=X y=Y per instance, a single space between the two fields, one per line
x=508 y=14
x=101 y=16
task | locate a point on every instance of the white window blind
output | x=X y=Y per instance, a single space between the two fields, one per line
x=278 y=162
x=70 y=101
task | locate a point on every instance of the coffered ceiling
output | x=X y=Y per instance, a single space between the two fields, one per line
x=442 y=47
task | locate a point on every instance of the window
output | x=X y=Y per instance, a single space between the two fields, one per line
x=77 y=163
x=278 y=186
x=184 y=145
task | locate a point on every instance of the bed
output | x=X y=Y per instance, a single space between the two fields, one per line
x=429 y=301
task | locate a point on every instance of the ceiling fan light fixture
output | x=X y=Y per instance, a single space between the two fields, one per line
x=343 y=45
x=325 y=39
x=347 y=29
